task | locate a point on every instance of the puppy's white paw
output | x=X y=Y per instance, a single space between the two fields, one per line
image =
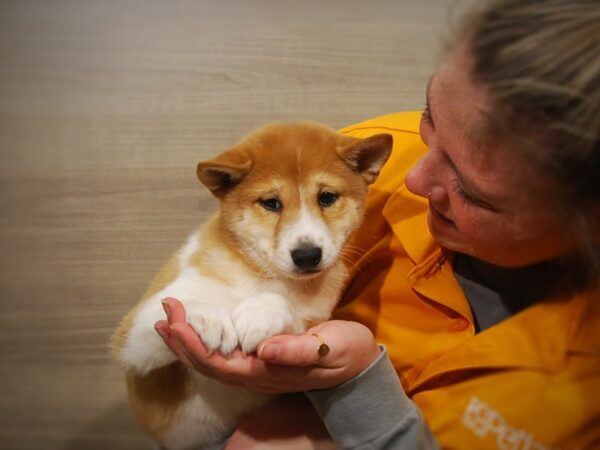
x=144 y=350
x=263 y=316
x=214 y=326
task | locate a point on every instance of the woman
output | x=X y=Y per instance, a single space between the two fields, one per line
x=481 y=268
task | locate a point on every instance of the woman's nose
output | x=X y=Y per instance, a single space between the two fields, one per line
x=426 y=179
x=420 y=179
x=413 y=179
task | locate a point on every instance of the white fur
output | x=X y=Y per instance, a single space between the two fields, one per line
x=213 y=412
x=224 y=316
x=308 y=229
x=275 y=316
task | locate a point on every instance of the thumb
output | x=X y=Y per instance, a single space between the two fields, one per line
x=291 y=350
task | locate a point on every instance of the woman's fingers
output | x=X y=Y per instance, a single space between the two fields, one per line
x=174 y=310
x=302 y=350
x=249 y=370
x=325 y=355
x=193 y=349
x=234 y=368
x=181 y=338
x=190 y=348
x=163 y=328
x=189 y=340
x=175 y=315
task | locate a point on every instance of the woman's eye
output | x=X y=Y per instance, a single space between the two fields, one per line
x=271 y=204
x=426 y=116
x=468 y=198
x=327 y=199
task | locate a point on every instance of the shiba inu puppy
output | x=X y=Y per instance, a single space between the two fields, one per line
x=269 y=262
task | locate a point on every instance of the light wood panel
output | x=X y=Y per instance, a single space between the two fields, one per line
x=105 y=108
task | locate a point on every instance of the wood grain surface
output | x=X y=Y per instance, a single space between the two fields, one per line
x=106 y=106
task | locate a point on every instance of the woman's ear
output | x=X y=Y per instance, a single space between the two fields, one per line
x=367 y=156
x=224 y=171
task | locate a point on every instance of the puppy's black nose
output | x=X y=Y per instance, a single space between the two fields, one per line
x=307 y=257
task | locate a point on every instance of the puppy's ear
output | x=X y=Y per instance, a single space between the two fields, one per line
x=367 y=156
x=225 y=171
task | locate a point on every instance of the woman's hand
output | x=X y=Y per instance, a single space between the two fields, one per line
x=286 y=363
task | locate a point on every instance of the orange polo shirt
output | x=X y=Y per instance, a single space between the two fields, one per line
x=531 y=381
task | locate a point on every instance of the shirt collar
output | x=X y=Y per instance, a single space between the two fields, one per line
x=407 y=215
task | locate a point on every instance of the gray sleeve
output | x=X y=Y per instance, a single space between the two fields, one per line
x=372 y=412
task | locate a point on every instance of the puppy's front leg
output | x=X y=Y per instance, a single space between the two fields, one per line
x=263 y=316
x=214 y=326
x=143 y=349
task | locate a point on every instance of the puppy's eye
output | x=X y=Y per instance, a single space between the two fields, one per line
x=327 y=199
x=271 y=204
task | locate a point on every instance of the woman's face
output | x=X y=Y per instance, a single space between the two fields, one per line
x=485 y=202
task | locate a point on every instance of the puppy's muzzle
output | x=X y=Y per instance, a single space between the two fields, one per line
x=307 y=258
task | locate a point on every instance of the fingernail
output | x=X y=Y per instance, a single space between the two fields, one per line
x=162 y=333
x=166 y=306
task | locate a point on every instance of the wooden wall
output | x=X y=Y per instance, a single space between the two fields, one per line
x=105 y=108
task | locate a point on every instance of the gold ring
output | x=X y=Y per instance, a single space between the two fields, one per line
x=323 y=349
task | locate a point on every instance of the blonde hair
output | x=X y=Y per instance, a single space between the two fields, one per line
x=539 y=61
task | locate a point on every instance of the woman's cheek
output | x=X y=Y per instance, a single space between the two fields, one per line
x=479 y=230
x=466 y=221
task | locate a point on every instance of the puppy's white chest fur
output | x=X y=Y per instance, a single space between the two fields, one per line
x=237 y=309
